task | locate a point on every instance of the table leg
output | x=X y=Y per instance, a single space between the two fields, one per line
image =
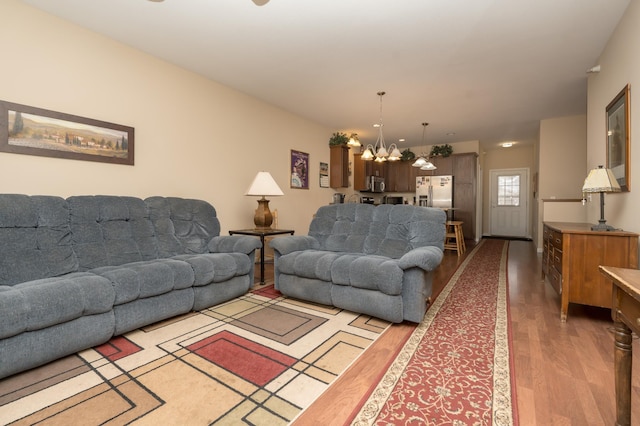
x=623 y=359
x=262 y=260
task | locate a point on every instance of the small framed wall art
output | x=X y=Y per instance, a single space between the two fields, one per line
x=36 y=131
x=299 y=169
x=324 y=175
x=618 y=144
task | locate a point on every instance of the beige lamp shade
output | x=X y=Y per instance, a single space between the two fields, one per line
x=601 y=180
x=263 y=185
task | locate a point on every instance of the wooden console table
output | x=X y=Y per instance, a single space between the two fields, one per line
x=262 y=232
x=626 y=315
x=570 y=258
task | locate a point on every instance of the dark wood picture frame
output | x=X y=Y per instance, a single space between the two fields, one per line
x=36 y=131
x=299 y=168
x=618 y=138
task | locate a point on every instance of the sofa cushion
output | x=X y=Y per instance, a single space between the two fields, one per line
x=36 y=238
x=368 y=272
x=139 y=280
x=44 y=303
x=308 y=263
x=342 y=227
x=111 y=230
x=182 y=226
x=216 y=267
x=397 y=229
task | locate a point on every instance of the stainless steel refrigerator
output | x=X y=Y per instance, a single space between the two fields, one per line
x=434 y=191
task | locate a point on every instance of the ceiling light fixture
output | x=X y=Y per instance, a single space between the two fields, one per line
x=353 y=140
x=379 y=150
x=423 y=162
x=507 y=144
x=260 y=2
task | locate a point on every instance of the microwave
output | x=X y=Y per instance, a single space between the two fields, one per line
x=375 y=184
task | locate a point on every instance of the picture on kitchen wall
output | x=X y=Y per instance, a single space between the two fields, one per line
x=299 y=169
x=324 y=175
x=36 y=131
x=618 y=138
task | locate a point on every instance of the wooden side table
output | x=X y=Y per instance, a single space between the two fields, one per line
x=262 y=232
x=625 y=312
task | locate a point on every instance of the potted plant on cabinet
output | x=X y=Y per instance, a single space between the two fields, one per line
x=442 y=150
x=338 y=138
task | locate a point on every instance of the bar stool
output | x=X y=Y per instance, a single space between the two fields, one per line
x=454 y=239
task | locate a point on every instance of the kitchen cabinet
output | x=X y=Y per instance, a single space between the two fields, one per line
x=339 y=166
x=362 y=169
x=464 y=171
x=444 y=166
x=571 y=254
x=401 y=176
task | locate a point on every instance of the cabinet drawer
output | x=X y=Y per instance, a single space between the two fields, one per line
x=556 y=259
x=555 y=279
x=556 y=239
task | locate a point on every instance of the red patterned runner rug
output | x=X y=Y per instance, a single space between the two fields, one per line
x=456 y=367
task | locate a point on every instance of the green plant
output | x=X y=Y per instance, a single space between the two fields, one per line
x=443 y=150
x=338 y=138
x=407 y=155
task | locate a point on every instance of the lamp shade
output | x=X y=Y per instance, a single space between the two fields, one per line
x=264 y=184
x=600 y=180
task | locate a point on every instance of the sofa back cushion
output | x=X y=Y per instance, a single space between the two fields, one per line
x=342 y=227
x=36 y=238
x=397 y=229
x=182 y=226
x=386 y=230
x=110 y=230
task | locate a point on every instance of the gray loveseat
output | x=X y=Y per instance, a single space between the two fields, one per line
x=75 y=272
x=372 y=260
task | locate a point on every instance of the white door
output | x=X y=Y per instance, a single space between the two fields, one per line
x=509 y=192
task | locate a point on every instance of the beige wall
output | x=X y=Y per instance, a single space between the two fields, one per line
x=562 y=159
x=193 y=137
x=503 y=158
x=620 y=65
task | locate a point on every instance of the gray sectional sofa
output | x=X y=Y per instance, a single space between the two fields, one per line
x=75 y=272
x=372 y=260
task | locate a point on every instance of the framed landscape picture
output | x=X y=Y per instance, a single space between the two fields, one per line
x=618 y=144
x=299 y=169
x=36 y=131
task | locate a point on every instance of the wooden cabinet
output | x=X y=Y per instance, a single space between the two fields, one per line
x=464 y=171
x=362 y=169
x=401 y=176
x=444 y=166
x=571 y=254
x=339 y=166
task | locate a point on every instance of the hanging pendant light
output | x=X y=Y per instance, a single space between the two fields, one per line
x=379 y=150
x=423 y=162
x=381 y=153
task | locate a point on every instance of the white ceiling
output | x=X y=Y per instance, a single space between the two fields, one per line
x=487 y=70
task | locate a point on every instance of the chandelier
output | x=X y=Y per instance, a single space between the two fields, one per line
x=379 y=151
x=422 y=162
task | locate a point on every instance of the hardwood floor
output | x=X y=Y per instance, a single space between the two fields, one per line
x=563 y=372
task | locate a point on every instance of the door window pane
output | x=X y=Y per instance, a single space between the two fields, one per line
x=509 y=190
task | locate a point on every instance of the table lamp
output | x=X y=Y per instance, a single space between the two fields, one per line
x=601 y=180
x=263 y=185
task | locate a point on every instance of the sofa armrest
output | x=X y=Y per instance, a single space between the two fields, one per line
x=290 y=243
x=427 y=258
x=234 y=244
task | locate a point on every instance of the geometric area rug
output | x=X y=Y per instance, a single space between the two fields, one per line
x=456 y=368
x=259 y=359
